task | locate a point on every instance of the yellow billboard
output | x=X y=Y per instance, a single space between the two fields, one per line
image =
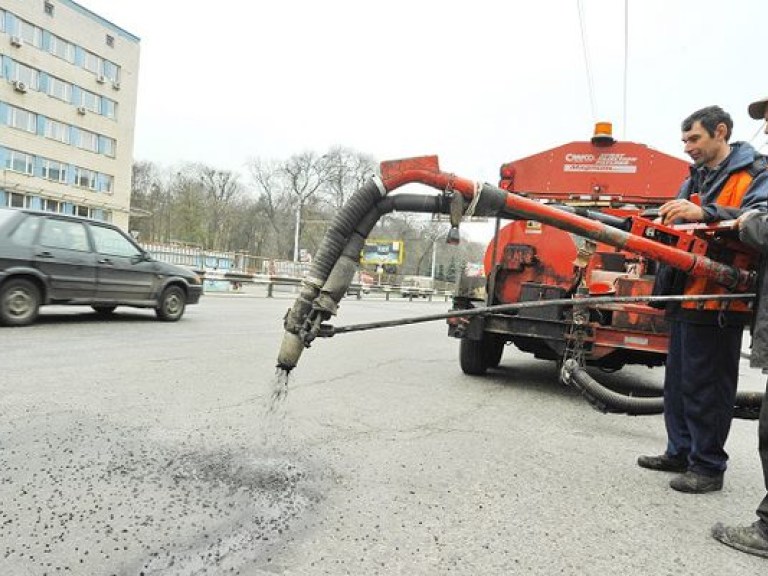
x=382 y=252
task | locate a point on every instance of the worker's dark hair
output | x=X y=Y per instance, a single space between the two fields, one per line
x=710 y=117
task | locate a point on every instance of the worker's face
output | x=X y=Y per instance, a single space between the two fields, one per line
x=701 y=147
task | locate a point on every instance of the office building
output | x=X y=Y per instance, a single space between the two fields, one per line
x=68 y=86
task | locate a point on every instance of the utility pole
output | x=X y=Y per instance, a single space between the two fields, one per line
x=434 y=257
x=296 y=235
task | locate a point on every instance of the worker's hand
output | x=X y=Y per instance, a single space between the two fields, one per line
x=745 y=216
x=680 y=209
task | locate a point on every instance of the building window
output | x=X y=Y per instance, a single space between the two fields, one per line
x=92 y=63
x=19 y=162
x=55 y=171
x=85 y=178
x=16 y=200
x=49 y=8
x=109 y=108
x=30 y=33
x=22 y=119
x=57 y=131
x=110 y=41
x=107 y=183
x=61 y=48
x=108 y=146
x=82 y=211
x=91 y=101
x=29 y=76
x=59 y=89
x=88 y=140
x=111 y=71
x=52 y=206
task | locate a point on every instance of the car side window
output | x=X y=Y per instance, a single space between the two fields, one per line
x=25 y=233
x=64 y=234
x=111 y=242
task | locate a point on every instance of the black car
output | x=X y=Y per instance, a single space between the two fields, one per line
x=48 y=258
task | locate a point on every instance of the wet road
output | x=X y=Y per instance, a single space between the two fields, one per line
x=135 y=447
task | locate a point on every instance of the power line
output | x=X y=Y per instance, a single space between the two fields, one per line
x=590 y=85
x=626 y=66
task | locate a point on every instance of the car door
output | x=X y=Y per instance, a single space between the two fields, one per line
x=63 y=254
x=123 y=272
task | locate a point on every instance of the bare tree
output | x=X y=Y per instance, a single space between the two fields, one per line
x=221 y=189
x=305 y=177
x=249 y=228
x=145 y=200
x=345 y=172
x=203 y=205
x=190 y=217
x=432 y=232
x=273 y=200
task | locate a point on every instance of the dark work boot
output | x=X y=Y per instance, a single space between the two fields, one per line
x=694 y=483
x=750 y=539
x=664 y=463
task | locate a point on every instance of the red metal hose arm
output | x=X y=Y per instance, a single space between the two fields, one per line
x=425 y=170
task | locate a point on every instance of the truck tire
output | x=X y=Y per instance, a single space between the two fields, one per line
x=19 y=302
x=494 y=350
x=172 y=303
x=473 y=357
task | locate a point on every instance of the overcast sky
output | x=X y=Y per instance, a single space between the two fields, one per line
x=477 y=82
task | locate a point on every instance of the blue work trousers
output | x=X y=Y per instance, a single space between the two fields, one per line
x=702 y=372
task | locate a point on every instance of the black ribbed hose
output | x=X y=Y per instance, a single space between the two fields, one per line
x=746 y=406
x=337 y=259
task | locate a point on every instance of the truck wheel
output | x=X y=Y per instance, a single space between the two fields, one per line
x=172 y=304
x=473 y=357
x=19 y=302
x=494 y=349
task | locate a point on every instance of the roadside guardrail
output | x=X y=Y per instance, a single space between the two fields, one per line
x=226 y=281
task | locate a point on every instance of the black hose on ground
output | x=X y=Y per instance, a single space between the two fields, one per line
x=746 y=407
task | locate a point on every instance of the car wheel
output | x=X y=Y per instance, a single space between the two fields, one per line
x=104 y=310
x=172 y=304
x=19 y=302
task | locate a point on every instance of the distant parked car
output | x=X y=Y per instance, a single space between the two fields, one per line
x=48 y=258
x=361 y=283
x=417 y=286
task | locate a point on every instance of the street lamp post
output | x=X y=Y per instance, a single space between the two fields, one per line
x=434 y=258
x=296 y=235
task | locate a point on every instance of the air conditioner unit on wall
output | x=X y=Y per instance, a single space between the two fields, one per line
x=82 y=110
x=17 y=41
x=101 y=79
x=20 y=86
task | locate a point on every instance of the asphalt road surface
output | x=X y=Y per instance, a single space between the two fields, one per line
x=131 y=446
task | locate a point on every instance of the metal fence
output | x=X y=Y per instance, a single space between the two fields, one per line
x=229 y=271
x=209 y=260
